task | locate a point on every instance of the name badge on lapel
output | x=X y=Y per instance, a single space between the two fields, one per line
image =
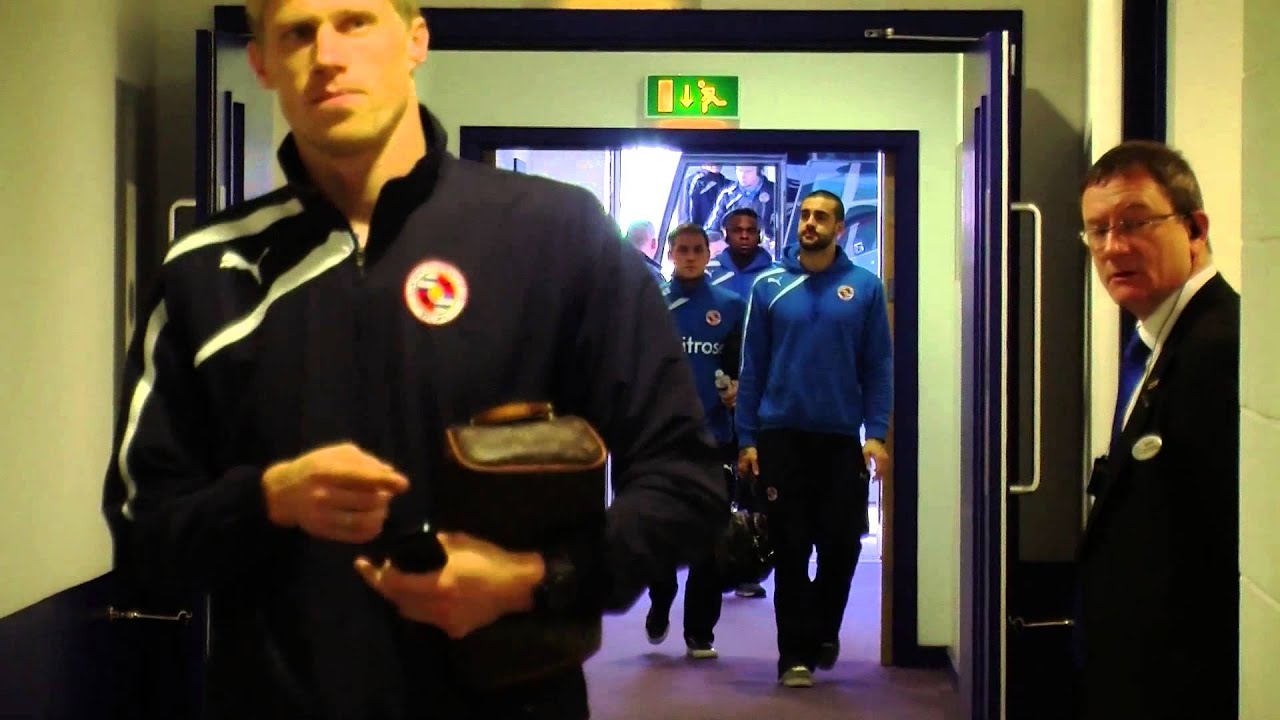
x=1147 y=447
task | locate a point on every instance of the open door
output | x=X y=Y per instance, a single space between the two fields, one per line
x=208 y=170
x=220 y=131
x=984 y=203
x=157 y=637
x=1031 y=676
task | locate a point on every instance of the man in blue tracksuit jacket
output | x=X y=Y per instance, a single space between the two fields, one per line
x=816 y=366
x=736 y=269
x=709 y=320
x=737 y=266
x=286 y=396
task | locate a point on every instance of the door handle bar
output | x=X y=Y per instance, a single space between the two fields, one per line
x=173 y=215
x=1037 y=269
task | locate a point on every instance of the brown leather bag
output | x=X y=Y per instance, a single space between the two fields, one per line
x=524 y=479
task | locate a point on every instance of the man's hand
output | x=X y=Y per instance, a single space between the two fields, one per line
x=479 y=584
x=876 y=456
x=730 y=396
x=339 y=493
x=748 y=463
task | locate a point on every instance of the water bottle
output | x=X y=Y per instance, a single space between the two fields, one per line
x=722 y=383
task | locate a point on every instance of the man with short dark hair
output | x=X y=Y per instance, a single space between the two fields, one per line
x=1157 y=625
x=709 y=320
x=736 y=269
x=817 y=366
x=743 y=258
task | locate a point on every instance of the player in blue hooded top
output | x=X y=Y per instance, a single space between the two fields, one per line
x=737 y=266
x=736 y=269
x=709 y=320
x=817 y=365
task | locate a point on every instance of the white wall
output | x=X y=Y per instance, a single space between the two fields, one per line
x=1104 y=130
x=1224 y=103
x=543 y=89
x=57 y=265
x=1205 y=99
x=1259 y=386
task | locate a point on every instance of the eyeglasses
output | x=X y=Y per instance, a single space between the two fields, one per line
x=1095 y=238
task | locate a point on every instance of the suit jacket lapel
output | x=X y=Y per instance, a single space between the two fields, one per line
x=1119 y=457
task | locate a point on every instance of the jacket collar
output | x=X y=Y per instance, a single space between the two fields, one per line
x=677 y=289
x=759 y=261
x=399 y=197
x=1119 y=457
x=791 y=261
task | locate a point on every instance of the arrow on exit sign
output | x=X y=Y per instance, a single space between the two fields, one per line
x=691 y=96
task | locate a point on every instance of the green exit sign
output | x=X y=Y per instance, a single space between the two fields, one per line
x=692 y=96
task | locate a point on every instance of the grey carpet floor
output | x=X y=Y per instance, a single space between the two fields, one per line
x=629 y=679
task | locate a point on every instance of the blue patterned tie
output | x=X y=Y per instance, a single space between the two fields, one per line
x=1132 y=365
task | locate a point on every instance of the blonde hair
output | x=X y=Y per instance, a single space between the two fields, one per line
x=408 y=10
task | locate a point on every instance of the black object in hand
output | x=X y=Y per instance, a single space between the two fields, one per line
x=417 y=551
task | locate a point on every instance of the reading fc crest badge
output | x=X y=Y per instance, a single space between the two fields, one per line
x=435 y=292
x=713 y=317
x=845 y=292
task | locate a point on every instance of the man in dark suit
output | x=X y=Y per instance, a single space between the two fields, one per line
x=1157 y=617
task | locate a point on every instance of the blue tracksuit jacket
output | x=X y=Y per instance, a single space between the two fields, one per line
x=817 y=355
x=709 y=320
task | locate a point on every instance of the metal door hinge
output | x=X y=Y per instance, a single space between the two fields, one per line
x=891 y=34
x=1018 y=622
x=182 y=616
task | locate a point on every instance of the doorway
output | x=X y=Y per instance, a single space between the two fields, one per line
x=630 y=184
x=645 y=175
